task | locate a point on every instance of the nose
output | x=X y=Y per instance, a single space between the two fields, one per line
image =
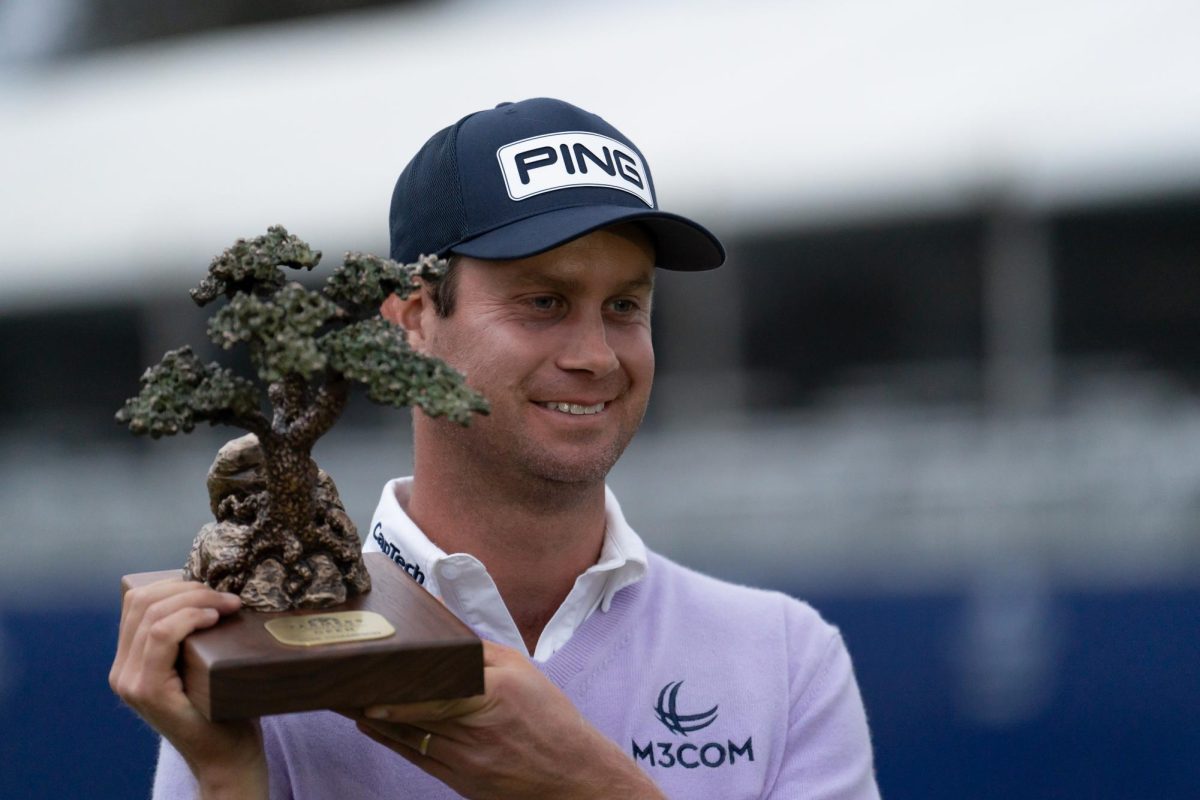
x=585 y=347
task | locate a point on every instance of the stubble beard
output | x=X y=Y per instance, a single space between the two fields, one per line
x=506 y=457
x=539 y=464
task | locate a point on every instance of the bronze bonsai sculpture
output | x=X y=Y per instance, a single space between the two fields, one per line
x=282 y=538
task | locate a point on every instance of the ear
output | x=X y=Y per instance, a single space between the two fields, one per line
x=409 y=314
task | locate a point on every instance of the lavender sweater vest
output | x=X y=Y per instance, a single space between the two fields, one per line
x=715 y=690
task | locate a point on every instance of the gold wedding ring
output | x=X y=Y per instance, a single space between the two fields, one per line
x=423 y=747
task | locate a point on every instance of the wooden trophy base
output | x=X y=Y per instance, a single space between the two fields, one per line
x=238 y=669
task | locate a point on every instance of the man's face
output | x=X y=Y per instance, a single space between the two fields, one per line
x=559 y=344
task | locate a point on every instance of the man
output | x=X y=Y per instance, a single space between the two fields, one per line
x=609 y=671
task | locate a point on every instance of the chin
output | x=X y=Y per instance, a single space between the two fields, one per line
x=572 y=473
x=585 y=469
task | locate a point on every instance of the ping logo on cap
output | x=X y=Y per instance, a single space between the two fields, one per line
x=570 y=159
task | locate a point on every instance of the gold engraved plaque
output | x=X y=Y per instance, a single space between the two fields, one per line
x=313 y=630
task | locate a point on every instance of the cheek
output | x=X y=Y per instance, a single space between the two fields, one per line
x=490 y=356
x=636 y=351
x=454 y=346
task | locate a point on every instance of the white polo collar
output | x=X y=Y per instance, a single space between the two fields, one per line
x=468 y=590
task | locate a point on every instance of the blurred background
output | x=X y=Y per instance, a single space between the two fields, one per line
x=945 y=388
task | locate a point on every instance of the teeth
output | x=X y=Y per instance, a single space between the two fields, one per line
x=573 y=408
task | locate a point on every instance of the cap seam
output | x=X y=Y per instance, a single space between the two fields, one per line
x=462 y=197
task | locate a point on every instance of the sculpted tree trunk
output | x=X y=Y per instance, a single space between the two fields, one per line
x=290 y=478
x=282 y=538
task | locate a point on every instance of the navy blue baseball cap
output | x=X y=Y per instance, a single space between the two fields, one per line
x=522 y=178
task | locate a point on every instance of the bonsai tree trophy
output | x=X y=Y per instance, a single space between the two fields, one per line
x=282 y=539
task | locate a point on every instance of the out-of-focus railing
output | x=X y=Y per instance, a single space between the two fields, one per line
x=857 y=497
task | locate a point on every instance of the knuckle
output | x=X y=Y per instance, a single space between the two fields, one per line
x=160 y=630
x=124 y=689
x=156 y=611
x=134 y=601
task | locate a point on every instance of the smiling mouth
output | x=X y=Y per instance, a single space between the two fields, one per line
x=574 y=408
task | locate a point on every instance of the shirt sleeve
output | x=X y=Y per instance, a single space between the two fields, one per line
x=173 y=780
x=828 y=753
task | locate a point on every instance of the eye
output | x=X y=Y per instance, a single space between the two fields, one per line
x=544 y=302
x=624 y=305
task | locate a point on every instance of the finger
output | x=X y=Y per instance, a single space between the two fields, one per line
x=151 y=657
x=155 y=588
x=146 y=605
x=498 y=655
x=410 y=736
x=436 y=768
x=404 y=739
x=495 y=657
x=157 y=646
x=186 y=595
x=164 y=636
x=424 y=748
x=135 y=601
x=141 y=601
x=143 y=596
x=429 y=711
x=196 y=596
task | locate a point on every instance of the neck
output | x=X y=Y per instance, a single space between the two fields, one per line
x=534 y=536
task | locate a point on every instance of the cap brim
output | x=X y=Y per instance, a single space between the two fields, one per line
x=679 y=243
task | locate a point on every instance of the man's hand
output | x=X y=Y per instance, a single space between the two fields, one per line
x=226 y=758
x=522 y=738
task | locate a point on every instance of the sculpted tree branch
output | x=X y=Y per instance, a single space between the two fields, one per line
x=282 y=538
x=180 y=391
